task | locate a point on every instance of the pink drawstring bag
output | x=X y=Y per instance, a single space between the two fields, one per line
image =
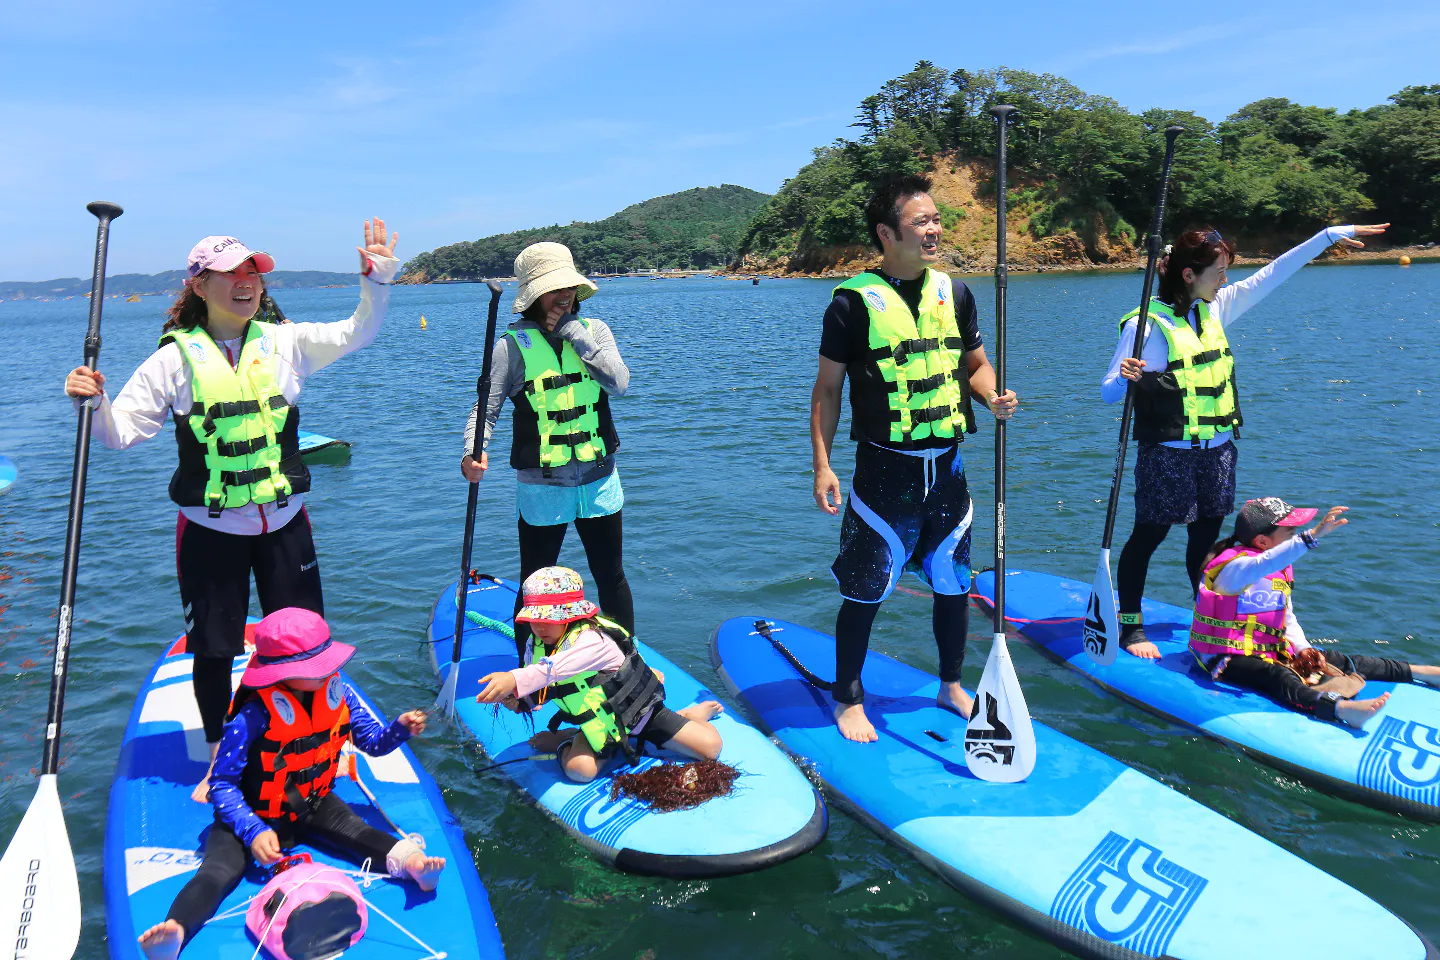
x=307 y=911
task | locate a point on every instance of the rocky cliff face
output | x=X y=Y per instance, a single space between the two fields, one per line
x=969 y=241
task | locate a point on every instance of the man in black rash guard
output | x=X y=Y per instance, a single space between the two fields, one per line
x=908 y=337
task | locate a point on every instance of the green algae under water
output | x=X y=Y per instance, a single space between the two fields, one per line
x=1341 y=401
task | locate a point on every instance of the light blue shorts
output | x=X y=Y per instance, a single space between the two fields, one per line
x=542 y=505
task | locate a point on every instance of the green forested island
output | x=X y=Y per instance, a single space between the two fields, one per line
x=696 y=229
x=1085 y=170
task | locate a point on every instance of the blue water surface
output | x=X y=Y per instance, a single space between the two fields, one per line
x=1337 y=372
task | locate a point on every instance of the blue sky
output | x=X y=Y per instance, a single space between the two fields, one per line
x=288 y=124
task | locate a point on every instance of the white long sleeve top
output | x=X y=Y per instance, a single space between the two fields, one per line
x=1230 y=303
x=1242 y=571
x=162 y=384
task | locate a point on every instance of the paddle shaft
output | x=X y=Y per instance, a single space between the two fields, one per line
x=1002 y=279
x=482 y=391
x=1153 y=256
x=104 y=212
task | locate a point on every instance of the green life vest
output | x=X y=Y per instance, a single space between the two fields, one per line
x=921 y=360
x=563 y=397
x=236 y=417
x=1198 y=397
x=604 y=706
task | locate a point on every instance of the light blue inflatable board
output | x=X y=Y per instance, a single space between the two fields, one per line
x=315 y=448
x=154 y=838
x=1089 y=853
x=8 y=473
x=1393 y=763
x=773 y=815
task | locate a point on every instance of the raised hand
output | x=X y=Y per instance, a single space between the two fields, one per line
x=1367 y=230
x=378 y=241
x=1334 y=519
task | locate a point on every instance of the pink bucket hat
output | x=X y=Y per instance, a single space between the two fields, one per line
x=554 y=595
x=224 y=254
x=294 y=644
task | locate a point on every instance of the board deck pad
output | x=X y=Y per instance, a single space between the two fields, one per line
x=1089 y=853
x=155 y=836
x=774 y=814
x=1393 y=763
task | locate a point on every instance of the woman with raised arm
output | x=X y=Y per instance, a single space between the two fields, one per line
x=230 y=381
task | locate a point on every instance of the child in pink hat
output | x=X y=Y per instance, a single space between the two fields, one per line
x=278 y=759
x=1245 y=631
x=575 y=652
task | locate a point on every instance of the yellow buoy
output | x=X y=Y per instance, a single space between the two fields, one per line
x=422 y=321
x=1404 y=261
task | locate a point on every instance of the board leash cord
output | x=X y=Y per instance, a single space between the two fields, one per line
x=764 y=629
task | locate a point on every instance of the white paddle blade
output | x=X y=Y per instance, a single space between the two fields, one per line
x=1102 y=620
x=445 y=703
x=999 y=741
x=39 y=892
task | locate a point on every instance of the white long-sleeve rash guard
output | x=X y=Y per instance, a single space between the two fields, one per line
x=162 y=385
x=1230 y=303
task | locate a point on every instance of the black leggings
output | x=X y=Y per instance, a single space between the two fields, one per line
x=950 y=619
x=1144 y=540
x=1284 y=685
x=214 y=569
x=332 y=824
x=603 y=540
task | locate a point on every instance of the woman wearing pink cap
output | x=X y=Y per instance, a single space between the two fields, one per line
x=230 y=381
x=1245 y=631
x=293 y=707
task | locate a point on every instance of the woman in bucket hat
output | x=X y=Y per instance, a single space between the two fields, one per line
x=559 y=372
x=1245 y=631
x=592 y=669
x=231 y=380
x=292 y=707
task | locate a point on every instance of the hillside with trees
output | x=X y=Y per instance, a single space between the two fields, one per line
x=1085 y=168
x=694 y=229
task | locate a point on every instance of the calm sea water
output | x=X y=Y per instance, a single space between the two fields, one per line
x=1341 y=400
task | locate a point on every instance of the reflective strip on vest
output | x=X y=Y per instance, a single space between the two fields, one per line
x=300 y=752
x=1250 y=624
x=921 y=359
x=563 y=395
x=236 y=416
x=1203 y=368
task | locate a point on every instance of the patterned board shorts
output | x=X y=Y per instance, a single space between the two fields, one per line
x=1175 y=486
x=904 y=515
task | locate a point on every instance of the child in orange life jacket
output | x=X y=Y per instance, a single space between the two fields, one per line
x=1245 y=631
x=293 y=706
x=590 y=667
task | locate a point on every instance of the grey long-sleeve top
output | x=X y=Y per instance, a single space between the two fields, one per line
x=596 y=349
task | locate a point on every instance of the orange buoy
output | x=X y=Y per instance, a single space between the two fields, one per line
x=422 y=321
x=1404 y=261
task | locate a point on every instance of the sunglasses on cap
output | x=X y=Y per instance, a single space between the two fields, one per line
x=1213 y=236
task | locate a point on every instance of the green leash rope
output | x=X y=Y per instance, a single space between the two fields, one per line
x=500 y=627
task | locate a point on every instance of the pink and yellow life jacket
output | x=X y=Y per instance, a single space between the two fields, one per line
x=1249 y=624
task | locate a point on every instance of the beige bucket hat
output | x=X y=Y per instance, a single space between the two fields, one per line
x=547 y=266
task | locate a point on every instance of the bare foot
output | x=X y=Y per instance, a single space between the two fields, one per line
x=162 y=941
x=1145 y=650
x=1356 y=712
x=953 y=697
x=704 y=711
x=853 y=724
x=548 y=741
x=425 y=871
x=201 y=793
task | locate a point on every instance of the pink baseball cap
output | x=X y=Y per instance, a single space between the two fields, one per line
x=225 y=254
x=294 y=644
x=1267 y=513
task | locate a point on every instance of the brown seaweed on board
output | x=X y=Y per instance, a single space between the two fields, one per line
x=667 y=787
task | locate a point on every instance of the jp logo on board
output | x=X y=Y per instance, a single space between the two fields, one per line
x=1125 y=892
x=1403 y=759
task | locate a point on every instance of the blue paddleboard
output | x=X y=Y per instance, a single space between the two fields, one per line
x=1393 y=763
x=8 y=473
x=315 y=448
x=155 y=834
x=773 y=815
x=1093 y=855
